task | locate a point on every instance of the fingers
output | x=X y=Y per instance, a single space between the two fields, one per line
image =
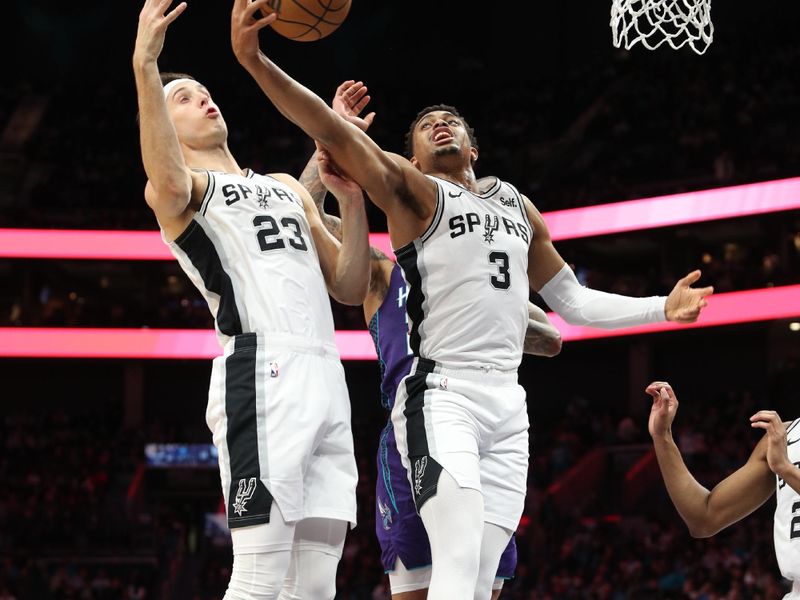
x=766 y=415
x=690 y=278
x=175 y=13
x=259 y=24
x=706 y=291
x=369 y=118
x=252 y=8
x=361 y=105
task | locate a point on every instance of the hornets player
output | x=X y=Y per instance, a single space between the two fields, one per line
x=773 y=468
x=405 y=550
x=255 y=247
x=470 y=258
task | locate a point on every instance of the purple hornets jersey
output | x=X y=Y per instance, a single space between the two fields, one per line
x=389 y=329
x=400 y=531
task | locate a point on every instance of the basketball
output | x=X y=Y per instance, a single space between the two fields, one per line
x=308 y=20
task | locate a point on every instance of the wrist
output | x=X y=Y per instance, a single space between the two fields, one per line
x=250 y=60
x=142 y=62
x=663 y=437
x=785 y=468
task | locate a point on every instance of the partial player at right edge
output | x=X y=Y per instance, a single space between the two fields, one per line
x=773 y=467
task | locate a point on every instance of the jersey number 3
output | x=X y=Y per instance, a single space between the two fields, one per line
x=268 y=231
x=501 y=281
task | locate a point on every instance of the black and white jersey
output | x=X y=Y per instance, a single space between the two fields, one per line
x=468 y=280
x=787 y=513
x=249 y=251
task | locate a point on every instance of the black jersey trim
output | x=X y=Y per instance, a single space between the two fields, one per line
x=425 y=470
x=212 y=183
x=407 y=258
x=249 y=500
x=522 y=209
x=202 y=253
x=437 y=216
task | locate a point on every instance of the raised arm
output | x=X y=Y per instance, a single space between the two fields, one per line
x=541 y=337
x=390 y=180
x=777 y=449
x=346 y=264
x=705 y=512
x=170 y=182
x=349 y=101
x=551 y=277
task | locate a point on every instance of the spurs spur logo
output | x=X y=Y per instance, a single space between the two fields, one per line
x=490 y=226
x=419 y=473
x=245 y=492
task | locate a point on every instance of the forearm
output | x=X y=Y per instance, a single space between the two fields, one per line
x=689 y=497
x=294 y=101
x=353 y=262
x=791 y=475
x=579 y=305
x=161 y=152
x=310 y=180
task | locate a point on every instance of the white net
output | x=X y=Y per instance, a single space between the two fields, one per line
x=655 y=22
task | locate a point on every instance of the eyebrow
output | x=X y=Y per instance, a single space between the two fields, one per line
x=430 y=115
x=183 y=87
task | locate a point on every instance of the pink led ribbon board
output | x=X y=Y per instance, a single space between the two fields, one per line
x=40 y=342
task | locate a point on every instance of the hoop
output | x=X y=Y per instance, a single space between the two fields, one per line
x=654 y=22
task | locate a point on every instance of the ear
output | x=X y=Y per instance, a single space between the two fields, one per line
x=473 y=154
x=415 y=162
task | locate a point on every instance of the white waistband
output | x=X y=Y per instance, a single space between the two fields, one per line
x=482 y=374
x=281 y=341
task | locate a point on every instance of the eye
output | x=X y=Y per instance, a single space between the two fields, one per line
x=425 y=126
x=454 y=122
x=183 y=99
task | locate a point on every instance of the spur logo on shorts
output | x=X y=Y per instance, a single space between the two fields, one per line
x=419 y=472
x=247 y=488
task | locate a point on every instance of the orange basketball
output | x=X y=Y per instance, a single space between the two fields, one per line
x=308 y=20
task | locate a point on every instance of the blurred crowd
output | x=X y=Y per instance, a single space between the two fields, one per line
x=70 y=529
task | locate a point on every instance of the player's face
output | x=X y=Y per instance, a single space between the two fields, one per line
x=198 y=121
x=441 y=141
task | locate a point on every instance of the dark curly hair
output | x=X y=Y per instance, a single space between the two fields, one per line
x=409 y=145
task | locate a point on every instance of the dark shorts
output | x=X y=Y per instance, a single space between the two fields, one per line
x=399 y=529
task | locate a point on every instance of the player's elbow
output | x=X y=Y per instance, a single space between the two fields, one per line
x=553 y=345
x=349 y=295
x=702 y=530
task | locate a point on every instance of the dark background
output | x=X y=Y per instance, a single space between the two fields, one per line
x=559 y=112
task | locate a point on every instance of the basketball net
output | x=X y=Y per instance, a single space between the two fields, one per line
x=654 y=22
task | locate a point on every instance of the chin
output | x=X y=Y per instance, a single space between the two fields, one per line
x=447 y=150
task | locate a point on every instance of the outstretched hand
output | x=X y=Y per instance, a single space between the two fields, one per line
x=152 y=30
x=350 y=99
x=775 y=430
x=684 y=302
x=245 y=26
x=665 y=406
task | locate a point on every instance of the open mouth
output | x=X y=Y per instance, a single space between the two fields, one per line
x=441 y=136
x=212 y=112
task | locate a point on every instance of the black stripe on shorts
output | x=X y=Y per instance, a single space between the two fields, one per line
x=425 y=470
x=249 y=501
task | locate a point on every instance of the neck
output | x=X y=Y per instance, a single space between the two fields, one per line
x=463 y=177
x=218 y=158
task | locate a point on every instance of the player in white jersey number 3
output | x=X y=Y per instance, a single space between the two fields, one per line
x=257 y=250
x=470 y=260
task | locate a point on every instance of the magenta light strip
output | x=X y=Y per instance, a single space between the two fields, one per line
x=722 y=203
x=678 y=209
x=35 y=342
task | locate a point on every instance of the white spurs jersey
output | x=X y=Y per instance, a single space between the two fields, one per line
x=787 y=513
x=467 y=278
x=249 y=251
